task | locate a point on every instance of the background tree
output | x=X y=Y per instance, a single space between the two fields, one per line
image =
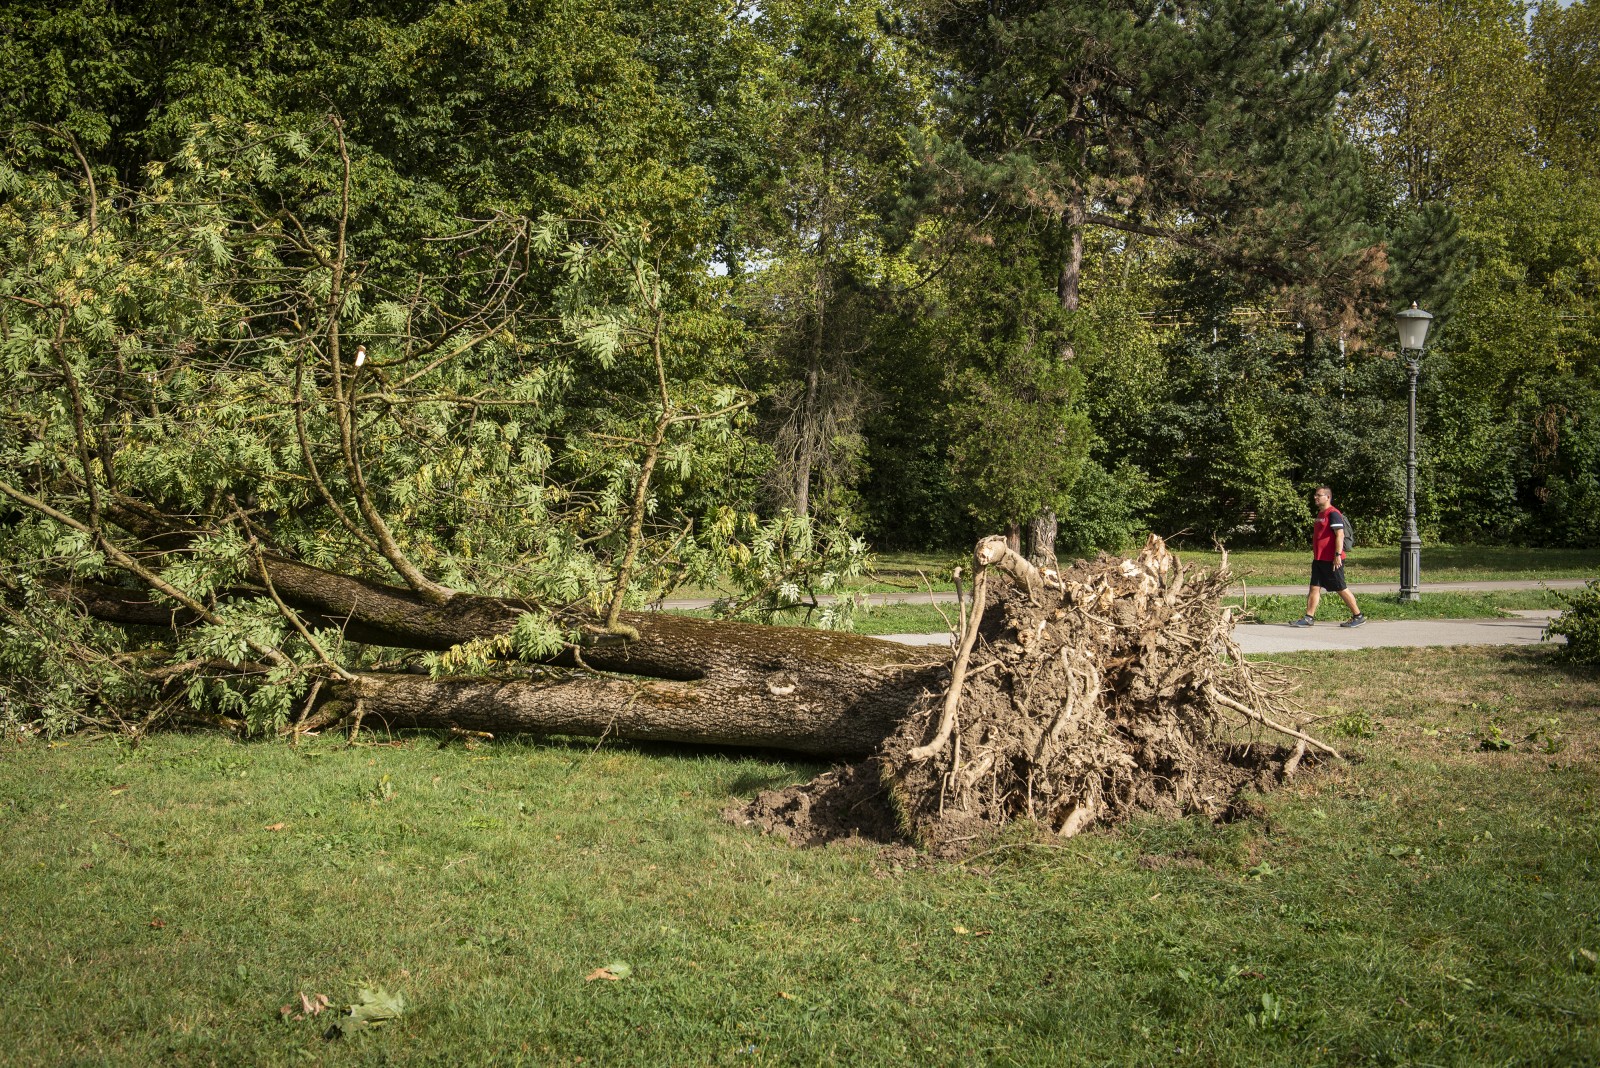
x=1450 y=95
x=1191 y=124
x=1474 y=114
x=844 y=103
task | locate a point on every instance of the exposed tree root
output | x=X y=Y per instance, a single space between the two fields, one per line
x=1107 y=690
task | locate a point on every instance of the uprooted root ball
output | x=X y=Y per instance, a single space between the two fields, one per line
x=1076 y=699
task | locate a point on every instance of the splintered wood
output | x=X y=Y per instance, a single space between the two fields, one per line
x=1086 y=696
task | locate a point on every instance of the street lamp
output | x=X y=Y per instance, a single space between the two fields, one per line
x=1413 y=324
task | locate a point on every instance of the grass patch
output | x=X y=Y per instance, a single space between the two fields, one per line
x=1375 y=563
x=916 y=572
x=1281 y=608
x=1432 y=902
x=1440 y=563
x=925 y=619
x=907 y=619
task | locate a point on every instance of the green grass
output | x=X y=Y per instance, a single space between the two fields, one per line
x=900 y=572
x=1280 y=608
x=1378 y=563
x=925 y=619
x=1430 y=902
x=1440 y=563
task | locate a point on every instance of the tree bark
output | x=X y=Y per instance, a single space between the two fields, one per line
x=805 y=455
x=1042 y=528
x=1042 y=539
x=690 y=680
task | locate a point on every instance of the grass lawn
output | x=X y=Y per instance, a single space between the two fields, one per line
x=1432 y=902
x=1440 y=563
x=926 y=619
x=1378 y=563
x=901 y=572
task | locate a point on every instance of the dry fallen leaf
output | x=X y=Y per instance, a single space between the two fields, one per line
x=601 y=973
x=958 y=929
x=785 y=996
x=276 y=826
x=308 y=1007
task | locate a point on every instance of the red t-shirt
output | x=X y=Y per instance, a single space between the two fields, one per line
x=1324 y=538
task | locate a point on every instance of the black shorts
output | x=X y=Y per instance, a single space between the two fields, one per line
x=1328 y=574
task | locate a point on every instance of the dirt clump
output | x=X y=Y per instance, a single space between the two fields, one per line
x=1072 y=700
x=841 y=804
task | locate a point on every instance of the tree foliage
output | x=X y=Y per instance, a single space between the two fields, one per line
x=577 y=304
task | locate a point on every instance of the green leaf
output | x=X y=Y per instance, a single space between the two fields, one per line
x=371 y=1008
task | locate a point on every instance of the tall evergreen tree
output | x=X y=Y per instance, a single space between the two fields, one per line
x=844 y=96
x=1205 y=123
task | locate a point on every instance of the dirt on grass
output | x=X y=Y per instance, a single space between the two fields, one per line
x=1074 y=700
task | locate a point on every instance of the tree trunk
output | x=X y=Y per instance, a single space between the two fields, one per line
x=815 y=692
x=1042 y=527
x=1014 y=537
x=1042 y=540
x=805 y=455
x=1068 y=282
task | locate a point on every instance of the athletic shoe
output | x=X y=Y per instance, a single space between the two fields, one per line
x=1303 y=621
x=1354 y=621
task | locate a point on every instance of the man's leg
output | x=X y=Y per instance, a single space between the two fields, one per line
x=1349 y=600
x=1313 y=595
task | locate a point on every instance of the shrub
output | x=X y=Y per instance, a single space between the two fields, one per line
x=1580 y=624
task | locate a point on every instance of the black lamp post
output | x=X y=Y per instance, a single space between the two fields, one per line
x=1413 y=324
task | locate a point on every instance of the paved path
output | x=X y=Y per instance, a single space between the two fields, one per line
x=946 y=596
x=1525 y=629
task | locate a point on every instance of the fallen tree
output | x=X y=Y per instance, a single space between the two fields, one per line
x=655 y=677
x=1071 y=699
x=253 y=476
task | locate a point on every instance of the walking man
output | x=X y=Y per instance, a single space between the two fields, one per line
x=1327 y=561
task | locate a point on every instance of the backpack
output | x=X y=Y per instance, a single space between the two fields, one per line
x=1349 y=533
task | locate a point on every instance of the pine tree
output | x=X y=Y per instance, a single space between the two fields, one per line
x=1203 y=123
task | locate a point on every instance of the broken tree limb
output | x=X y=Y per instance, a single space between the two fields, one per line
x=1250 y=713
x=958 y=674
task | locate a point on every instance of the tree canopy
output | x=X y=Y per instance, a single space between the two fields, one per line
x=570 y=305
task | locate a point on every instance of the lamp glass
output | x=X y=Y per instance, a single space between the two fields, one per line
x=1413 y=326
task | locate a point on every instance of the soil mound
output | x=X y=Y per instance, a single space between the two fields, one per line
x=1072 y=699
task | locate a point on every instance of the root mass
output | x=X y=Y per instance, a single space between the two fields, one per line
x=1072 y=700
